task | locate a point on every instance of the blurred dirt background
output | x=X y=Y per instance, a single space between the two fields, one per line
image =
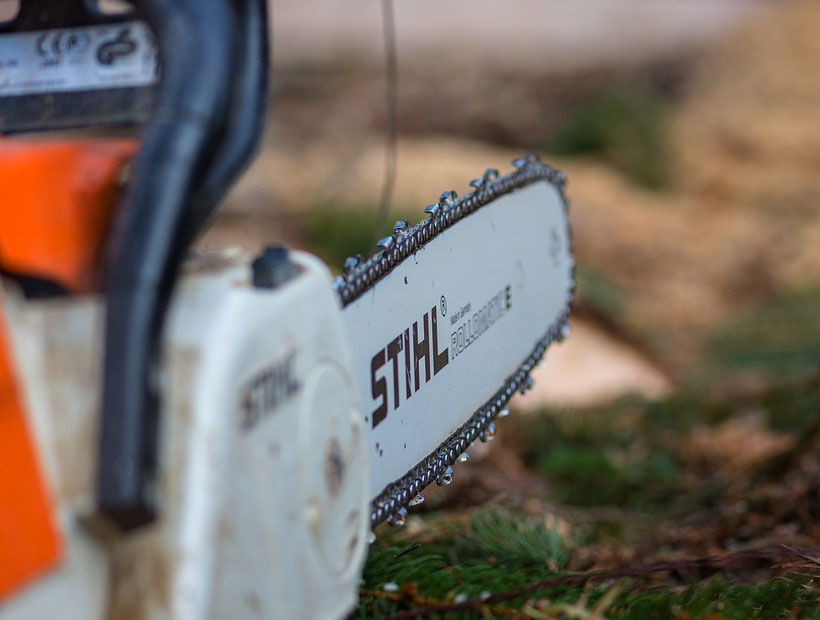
x=681 y=419
x=689 y=132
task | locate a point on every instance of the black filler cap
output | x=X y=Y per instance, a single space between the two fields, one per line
x=273 y=267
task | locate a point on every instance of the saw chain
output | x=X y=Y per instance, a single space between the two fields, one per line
x=361 y=275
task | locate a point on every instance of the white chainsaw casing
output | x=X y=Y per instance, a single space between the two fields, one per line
x=264 y=489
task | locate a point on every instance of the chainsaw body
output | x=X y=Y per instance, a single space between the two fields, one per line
x=264 y=480
x=215 y=436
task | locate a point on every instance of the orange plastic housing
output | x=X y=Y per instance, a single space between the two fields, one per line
x=56 y=206
x=29 y=540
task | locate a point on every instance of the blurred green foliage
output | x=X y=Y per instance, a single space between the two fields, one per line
x=780 y=338
x=627 y=454
x=605 y=456
x=625 y=127
x=720 y=598
x=335 y=232
x=598 y=293
x=792 y=407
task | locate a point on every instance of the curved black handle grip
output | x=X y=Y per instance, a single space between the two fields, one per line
x=206 y=126
x=245 y=122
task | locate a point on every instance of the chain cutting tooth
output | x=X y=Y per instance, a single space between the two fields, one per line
x=504 y=413
x=385 y=242
x=447 y=198
x=464 y=457
x=526 y=385
x=432 y=209
x=338 y=282
x=398 y=518
x=490 y=174
x=400 y=226
x=446 y=477
x=351 y=262
x=488 y=434
x=564 y=332
x=417 y=500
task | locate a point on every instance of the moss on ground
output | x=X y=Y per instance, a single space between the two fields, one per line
x=630 y=457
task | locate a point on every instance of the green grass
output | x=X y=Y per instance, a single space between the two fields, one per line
x=626 y=456
x=511 y=541
x=492 y=551
x=780 y=338
x=335 y=232
x=490 y=541
x=792 y=407
x=719 y=598
x=625 y=127
x=485 y=556
x=617 y=455
x=599 y=293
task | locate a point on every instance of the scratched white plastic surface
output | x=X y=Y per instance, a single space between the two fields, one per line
x=257 y=521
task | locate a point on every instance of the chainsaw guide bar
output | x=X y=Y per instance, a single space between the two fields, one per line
x=538 y=235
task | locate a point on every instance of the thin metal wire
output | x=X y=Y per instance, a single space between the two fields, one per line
x=391 y=99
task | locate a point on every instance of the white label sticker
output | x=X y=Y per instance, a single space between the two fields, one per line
x=72 y=59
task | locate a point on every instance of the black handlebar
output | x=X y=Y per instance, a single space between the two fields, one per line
x=207 y=124
x=196 y=40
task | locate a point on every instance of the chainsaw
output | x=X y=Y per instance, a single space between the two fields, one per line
x=217 y=435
